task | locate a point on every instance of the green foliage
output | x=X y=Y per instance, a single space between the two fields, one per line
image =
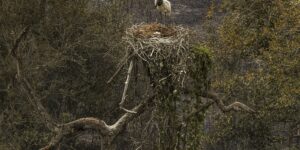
x=201 y=68
x=258 y=63
x=202 y=50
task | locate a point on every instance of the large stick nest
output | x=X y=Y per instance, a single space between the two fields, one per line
x=166 y=49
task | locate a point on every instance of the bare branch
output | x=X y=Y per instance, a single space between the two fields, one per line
x=26 y=30
x=13 y=51
x=17 y=42
x=126 y=87
x=82 y=123
x=54 y=141
x=198 y=110
x=96 y=124
x=126 y=110
x=236 y=106
x=117 y=72
x=36 y=101
x=193 y=113
x=32 y=96
x=127 y=117
x=121 y=65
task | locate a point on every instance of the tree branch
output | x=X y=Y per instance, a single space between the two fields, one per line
x=96 y=124
x=36 y=101
x=32 y=96
x=117 y=72
x=122 y=64
x=26 y=30
x=198 y=110
x=236 y=106
x=127 y=117
x=126 y=88
x=13 y=51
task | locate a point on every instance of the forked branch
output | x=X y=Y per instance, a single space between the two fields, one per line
x=25 y=84
x=96 y=124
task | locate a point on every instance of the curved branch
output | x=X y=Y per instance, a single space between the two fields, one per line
x=17 y=42
x=236 y=106
x=25 y=84
x=73 y=126
x=96 y=124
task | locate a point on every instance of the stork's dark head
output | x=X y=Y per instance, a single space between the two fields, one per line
x=159 y=3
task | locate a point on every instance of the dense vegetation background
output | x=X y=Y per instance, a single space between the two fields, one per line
x=72 y=48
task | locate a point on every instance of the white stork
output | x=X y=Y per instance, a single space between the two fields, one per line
x=163 y=6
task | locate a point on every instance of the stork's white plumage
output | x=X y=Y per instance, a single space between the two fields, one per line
x=164 y=6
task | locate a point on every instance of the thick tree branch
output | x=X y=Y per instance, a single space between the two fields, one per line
x=127 y=117
x=97 y=124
